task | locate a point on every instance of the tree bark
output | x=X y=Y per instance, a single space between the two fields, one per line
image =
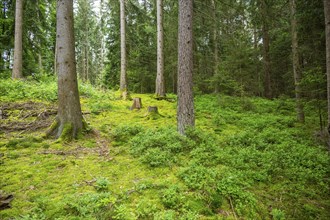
x=185 y=111
x=69 y=120
x=327 y=36
x=123 y=61
x=18 y=48
x=296 y=63
x=215 y=45
x=266 y=56
x=160 y=81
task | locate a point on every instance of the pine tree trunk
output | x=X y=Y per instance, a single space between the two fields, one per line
x=296 y=63
x=327 y=36
x=266 y=56
x=123 y=74
x=185 y=112
x=215 y=45
x=160 y=81
x=18 y=50
x=69 y=121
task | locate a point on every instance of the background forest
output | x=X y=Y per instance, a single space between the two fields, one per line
x=259 y=149
x=229 y=49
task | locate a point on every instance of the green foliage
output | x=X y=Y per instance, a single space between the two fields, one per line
x=22 y=143
x=278 y=214
x=172 y=197
x=159 y=147
x=247 y=156
x=102 y=184
x=90 y=205
x=11 y=90
x=124 y=132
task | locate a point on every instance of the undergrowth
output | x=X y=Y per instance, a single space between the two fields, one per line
x=248 y=158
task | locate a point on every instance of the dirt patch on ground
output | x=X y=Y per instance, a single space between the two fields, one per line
x=27 y=116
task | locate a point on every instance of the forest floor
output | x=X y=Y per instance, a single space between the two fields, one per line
x=248 y=158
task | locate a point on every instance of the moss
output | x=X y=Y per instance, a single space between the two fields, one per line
x=44 y=175
x=53 y=128
x=67 y=132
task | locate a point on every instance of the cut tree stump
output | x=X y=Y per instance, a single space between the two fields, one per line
x=153 y=109
x=137 y=104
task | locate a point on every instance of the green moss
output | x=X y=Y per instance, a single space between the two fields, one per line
x=244 y=157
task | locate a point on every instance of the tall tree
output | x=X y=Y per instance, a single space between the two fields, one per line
x=296 y=63
x=327 y=36
x=215 y=42
x=160 y=80
x=266 y=46
x=123 y=61
x=18 y=51
x=69 y=121
x=185 y=111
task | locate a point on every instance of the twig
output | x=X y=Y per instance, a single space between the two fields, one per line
x=232 y=208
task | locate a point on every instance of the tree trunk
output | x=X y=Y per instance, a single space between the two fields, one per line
x=123 y=74
x=18 y=50
x=327 y=36
x=185 y=112
x=160 y=81
x=55 y=58
x=296 y=63
x=69 y=121
x=266 y=56
x=215 y=45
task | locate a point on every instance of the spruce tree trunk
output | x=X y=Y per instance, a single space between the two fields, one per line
x=215 y=45
x=160 y=81
x=296 y=63
x=185 y=112
x=69 y=121
x=327 y=36
x=18 y=50
x=123 y=62
x=266 y=56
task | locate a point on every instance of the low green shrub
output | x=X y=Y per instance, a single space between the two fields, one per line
x=159 y=147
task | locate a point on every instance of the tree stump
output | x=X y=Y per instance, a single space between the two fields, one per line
x=152 y=109
x=137 y=104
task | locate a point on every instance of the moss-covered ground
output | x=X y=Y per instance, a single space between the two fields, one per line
x=246 y=159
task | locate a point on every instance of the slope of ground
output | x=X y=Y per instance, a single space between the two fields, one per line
x=246 y=159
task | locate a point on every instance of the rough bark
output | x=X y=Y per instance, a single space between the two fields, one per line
x=266 y=56
x=296 y=63
x=160 y=80
x=327 y=36
x=18 y=48
x=185 y=111
x=69 y=120
x=123 y=61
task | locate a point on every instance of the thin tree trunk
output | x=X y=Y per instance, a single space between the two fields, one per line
x=185 y=112
x=102 y=36
x=215 y=45
x=160 y=81
x=296 y=63
x=55 y=58
x=40 y=63
x=327 y=36
x=69 y=121
x=18 y=50
x=266 y=56
x=123 y=61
